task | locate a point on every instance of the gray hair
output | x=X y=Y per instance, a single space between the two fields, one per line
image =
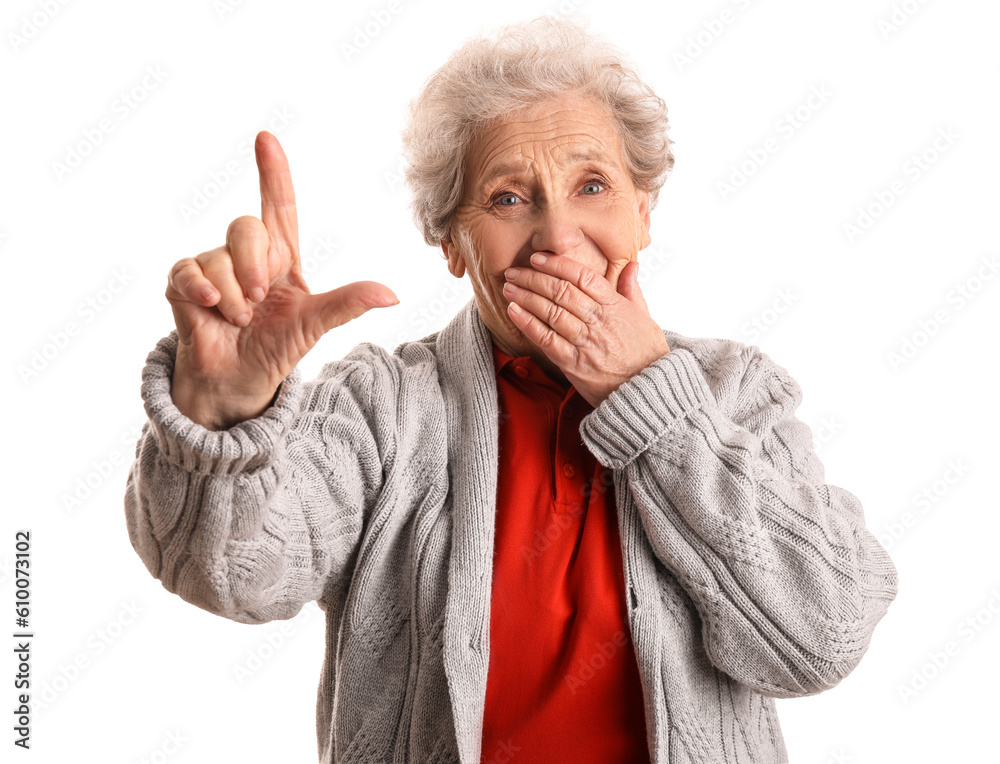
x=495 y=79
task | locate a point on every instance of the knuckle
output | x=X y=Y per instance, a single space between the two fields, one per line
x=179 y=276
x=555 y=313
x=232 y=308
x=232 y=296
x=246 y=225
x=249 y=252
x=251 y=270
x=218 y=259
x=177 y=267
x=562 y=291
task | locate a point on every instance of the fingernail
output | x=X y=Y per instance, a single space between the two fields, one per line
x=256 y=294
x=510 y=273
x=242 y=319
x=538 y=258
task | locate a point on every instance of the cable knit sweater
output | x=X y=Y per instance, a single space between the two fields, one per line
x=372 y=490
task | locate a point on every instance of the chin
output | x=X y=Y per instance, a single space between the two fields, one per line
x=514 y=335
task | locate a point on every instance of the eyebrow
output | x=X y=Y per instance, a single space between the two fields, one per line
x=514 y=168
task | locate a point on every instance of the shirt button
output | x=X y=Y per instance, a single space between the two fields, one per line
x=568 y=470
x=521 y=371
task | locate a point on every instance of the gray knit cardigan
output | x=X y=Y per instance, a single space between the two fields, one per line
x=372 y=490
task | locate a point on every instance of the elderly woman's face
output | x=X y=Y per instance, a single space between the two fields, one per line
x=551 y=181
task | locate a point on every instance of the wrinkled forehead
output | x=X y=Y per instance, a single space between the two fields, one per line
x=566 y=132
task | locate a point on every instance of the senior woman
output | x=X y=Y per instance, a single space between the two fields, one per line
x=551 y=531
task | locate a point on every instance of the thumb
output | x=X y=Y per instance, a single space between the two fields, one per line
x=338 y=306
x=628 y=284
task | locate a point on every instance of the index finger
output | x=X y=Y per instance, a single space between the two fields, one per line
x=277 y=197
x=593 y=284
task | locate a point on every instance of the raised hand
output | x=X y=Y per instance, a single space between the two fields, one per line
x=244 y=314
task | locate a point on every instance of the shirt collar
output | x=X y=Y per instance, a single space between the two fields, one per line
x=528 y=370
x=501 y=359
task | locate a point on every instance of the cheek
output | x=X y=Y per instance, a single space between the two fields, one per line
x=623 y=242
x=623 y=227
x=497 y=246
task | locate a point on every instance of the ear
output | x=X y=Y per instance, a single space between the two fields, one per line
x=644 y=216
x=456 y=263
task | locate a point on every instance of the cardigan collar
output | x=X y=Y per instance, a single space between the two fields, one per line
x=467 y=376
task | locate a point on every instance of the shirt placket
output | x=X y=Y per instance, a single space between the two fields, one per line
x=571 y=470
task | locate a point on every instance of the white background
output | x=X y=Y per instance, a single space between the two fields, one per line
x=833 y=306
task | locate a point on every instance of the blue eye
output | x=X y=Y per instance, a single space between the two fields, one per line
x=500 y=199
x=593 y=183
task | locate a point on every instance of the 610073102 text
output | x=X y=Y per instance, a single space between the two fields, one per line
x=22 y=638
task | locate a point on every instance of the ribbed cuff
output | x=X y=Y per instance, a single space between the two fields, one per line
x=244 y=448
x=645 y=407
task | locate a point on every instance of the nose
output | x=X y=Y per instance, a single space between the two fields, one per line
x=557 y=230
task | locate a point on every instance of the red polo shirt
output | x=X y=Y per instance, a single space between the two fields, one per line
x=563 y=683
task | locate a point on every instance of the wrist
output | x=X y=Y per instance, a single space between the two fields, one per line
x=215 y=408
